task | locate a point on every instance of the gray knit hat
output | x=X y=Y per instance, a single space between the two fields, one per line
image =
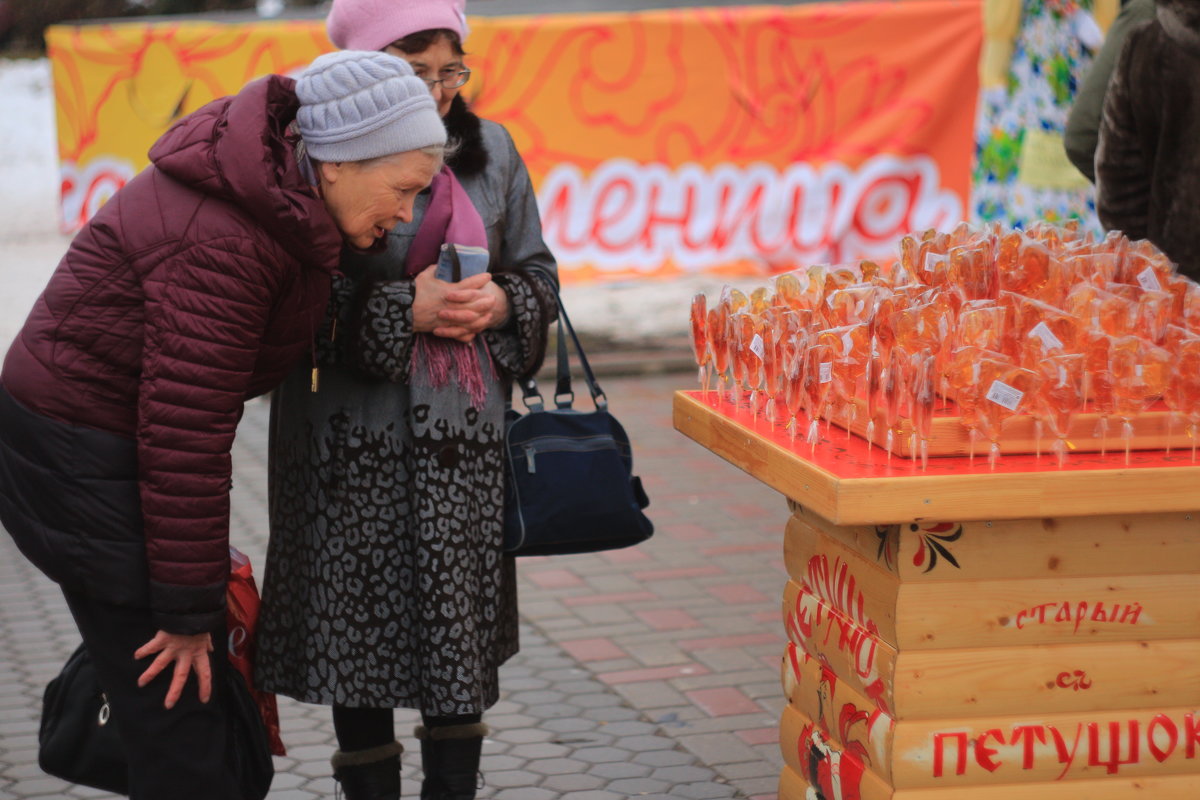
x=357 y=104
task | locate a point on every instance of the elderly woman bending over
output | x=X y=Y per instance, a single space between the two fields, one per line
x=197 y=286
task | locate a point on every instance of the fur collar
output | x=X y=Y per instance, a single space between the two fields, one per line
x=463 y=127
x=1181 y=21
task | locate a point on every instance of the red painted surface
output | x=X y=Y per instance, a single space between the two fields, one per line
x=851 y=457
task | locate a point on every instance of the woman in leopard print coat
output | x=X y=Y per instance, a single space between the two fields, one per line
x=385 y=584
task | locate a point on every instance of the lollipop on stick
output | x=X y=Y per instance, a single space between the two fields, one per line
x=794 y=384
x=1139 y=377
x=1097 y=380
x=850 y=349
x=924 y=397
x=894 y=383
x=699 y=321
x=1059 y=397
x=1184 y=389
x=962 y=375
x=1004 y=391
x=720 y=329
x=818 y=380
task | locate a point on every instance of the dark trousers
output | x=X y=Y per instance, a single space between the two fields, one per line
x=176 y=754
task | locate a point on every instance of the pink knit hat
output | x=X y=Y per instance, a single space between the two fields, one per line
x=374 y=24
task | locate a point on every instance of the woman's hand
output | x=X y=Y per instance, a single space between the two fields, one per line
x=188 y=653
x=460 y=310
x=469 y=312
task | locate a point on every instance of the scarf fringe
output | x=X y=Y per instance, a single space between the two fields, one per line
x=435 y=359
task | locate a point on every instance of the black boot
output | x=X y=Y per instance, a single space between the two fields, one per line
x=372 y=774
x=450 y=758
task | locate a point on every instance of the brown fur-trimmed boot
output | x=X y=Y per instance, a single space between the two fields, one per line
x=450 y=757
x=372 y=774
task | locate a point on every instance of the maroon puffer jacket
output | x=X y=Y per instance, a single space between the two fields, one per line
x=194 y=288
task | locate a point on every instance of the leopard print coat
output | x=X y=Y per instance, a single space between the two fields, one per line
x=385 y=585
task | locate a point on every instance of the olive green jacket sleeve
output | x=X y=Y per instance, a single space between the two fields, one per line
x=1083 y=124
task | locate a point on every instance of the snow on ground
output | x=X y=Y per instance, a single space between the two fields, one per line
x=28 y=162
x=30 y=242
x=31 y=245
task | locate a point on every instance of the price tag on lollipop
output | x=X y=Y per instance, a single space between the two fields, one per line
x=1049 y=340
x=1148 y=280
x=1002 y=394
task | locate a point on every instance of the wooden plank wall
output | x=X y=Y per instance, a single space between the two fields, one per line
x=960 y=661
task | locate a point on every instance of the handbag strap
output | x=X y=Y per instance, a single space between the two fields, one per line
x=563 y=386
x=531 y=396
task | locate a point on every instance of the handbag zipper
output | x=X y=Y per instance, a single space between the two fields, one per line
x=547 y=444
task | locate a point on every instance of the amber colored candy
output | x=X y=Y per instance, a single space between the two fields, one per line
x=973 y=269
x=1060 y=395
x=759 y=300
x=1096 y=347
x=853 y=305
x=699 y=321
x=789 y=292
x=719 y=328
x=980 y=326
x=1003 y=391
x=1146 y=266
x=923 y=374
x=1099 y=309
x=1140 y=372
x=1152 y=314
x=735 y=299
x=1028 y=268
x=818 y=379
x=1183 y=387
x=1176 y=334
x=1044 y=330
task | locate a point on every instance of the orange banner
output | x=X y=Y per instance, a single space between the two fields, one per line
x=750 y=139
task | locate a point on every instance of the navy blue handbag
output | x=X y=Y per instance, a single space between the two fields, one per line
x=569 y=486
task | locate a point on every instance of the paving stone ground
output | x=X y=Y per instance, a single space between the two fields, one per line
x=651 y=672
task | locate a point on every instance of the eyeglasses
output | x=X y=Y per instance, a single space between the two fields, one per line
x=451 y=81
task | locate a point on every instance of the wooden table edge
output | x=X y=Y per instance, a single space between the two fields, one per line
x=977 y=496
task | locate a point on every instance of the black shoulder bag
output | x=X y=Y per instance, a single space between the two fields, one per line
x=570 y=486
x=78 y=742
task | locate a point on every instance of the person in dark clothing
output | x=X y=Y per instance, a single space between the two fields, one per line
x=1148 y=159
x=1083 y=124
x=386 y=586
x=195 y=287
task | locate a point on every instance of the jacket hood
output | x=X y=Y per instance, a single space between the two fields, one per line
x=239 y=149
x=1181 y=21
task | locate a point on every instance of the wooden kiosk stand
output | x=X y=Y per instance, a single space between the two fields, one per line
x=967 y=633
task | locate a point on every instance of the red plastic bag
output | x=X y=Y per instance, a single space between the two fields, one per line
x=241 y=604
